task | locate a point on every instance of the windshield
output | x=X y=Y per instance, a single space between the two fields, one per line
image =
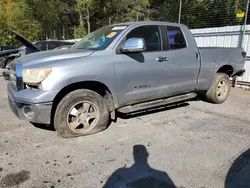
x=99 y=39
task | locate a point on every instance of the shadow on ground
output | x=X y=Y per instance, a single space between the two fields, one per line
x=140 y=174
x=44 y=126
x=239 y=173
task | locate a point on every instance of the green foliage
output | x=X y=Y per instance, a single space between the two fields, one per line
x=38 y=19
x=80 y=32
x=16 y=15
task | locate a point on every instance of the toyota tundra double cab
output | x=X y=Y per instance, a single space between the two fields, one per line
x=123 y=68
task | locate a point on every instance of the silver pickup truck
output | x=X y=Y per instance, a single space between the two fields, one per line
x=122 y=68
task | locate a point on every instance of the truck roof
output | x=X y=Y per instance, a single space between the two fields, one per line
x=149 y=23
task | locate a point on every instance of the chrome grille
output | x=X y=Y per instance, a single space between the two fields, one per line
x=15 y=71
x=19 y=77
x=12 y=79
x=12 y=75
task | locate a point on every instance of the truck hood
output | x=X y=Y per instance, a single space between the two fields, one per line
x=8 y=52
x=24 y=41
x=48 y=57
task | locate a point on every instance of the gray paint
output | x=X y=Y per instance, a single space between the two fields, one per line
x=42 y=111
x=213 y=59
x=121 y=73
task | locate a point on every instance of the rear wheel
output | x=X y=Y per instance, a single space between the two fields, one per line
x=81 y=112
x=220 y=89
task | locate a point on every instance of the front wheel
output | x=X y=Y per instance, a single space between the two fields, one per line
x=81 y=112
x=220 y=89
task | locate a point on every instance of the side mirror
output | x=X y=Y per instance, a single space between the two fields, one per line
x=134 y=45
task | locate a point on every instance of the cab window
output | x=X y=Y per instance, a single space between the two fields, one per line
x=176 y=38
x=150 y=34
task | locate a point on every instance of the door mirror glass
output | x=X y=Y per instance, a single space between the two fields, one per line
x=134 y=45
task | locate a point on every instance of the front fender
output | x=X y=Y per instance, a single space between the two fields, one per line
x=60 y=82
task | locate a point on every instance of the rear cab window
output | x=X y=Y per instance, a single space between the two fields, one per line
x=176 y=38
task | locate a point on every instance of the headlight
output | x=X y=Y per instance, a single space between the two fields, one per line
x=35 y=76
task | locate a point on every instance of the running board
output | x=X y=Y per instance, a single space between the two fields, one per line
x=156 y=103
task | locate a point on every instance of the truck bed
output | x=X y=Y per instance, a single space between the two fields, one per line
x=221 y=55
x=213 y=58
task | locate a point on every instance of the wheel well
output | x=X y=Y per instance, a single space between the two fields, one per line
x=227 y=69
x=98 y=87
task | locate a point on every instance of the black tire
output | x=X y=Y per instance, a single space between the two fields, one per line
x=62 y=113
x=216 y=94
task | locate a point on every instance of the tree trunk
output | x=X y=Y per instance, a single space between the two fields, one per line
x=81 y=19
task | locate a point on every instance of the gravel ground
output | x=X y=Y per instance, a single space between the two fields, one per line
x=193 y=145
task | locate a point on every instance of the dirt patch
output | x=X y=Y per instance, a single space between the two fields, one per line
x=14 y=179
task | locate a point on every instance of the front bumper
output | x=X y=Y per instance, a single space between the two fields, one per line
x=32 y=112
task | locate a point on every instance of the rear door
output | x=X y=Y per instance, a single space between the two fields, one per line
x=142 y=76
x=183 y=62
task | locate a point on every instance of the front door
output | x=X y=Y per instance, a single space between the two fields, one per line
x=141 y=76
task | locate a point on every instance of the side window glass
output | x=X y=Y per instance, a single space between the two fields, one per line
x=176 y=38
x=42 y=46
x=150 y=34
x=53 y=45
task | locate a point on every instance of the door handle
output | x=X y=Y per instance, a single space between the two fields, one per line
x=162 y=59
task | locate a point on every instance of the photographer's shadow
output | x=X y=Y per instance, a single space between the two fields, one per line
x=140 y=174
x=239 y=173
